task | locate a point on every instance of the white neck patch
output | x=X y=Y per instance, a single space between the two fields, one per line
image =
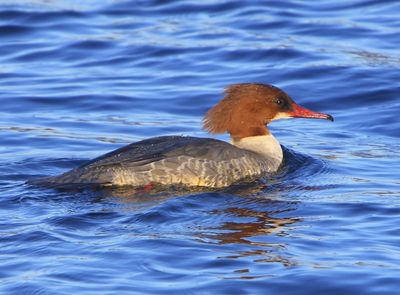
x=264 y=145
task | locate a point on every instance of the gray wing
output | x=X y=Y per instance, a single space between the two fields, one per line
x=158 y=148
x=141 y=152
x=168 y=160
x=214 y=163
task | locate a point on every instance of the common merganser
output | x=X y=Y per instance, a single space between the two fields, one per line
x=244 y=113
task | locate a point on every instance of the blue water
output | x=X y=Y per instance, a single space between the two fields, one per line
x=81 y=78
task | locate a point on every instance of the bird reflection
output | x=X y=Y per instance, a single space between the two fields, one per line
x=236 y=232
x=248 y=218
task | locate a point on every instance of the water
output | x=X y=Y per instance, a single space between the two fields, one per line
x=81 y=78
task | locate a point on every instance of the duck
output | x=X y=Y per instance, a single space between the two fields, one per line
x=244 y=113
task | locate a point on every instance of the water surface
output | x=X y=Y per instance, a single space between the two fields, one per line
x=81 y=78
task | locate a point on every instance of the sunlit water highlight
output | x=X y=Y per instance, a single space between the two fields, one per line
x=80 y=78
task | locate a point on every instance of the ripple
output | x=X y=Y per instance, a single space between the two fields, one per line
x=7 y=31
x=82 y=78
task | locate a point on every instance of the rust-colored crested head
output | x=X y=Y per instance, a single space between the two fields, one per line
x=247 y=108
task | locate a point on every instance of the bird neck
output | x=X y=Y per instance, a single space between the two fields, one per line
x=265 y=145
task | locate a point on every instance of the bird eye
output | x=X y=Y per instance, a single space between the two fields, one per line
x=279 y=101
